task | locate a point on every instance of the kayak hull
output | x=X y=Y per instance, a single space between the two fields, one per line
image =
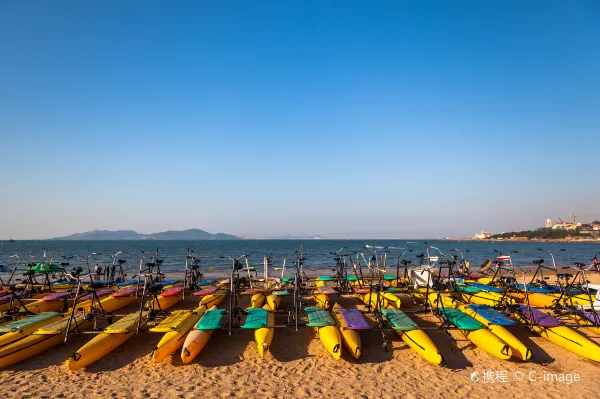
x=332 y=340
x=264 y=336
x=350 y=338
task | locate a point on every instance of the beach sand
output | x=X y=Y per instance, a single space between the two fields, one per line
x=297 y=365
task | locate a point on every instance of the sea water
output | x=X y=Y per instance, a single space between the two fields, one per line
x=214 y=254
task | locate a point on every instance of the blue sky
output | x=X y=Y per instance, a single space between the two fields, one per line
x=346 y=119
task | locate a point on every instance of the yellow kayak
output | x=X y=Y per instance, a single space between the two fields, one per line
x=420 y=342
x=410 y=333
x=350 y=338
x=115 y=335
x=567 y=339
x=257 y=300
x=518 y=349
x=12 y=332
x=492 y=299
x=331 y=339
x=42 y=339
x=322 y=300
x=371 y=299
x=195 y=342
x=582 y=321
x=174 y=339
x=483 y=338
x=264 y=336
x=273 y=302
x=392 y=300
x=212 y=300
x=107 y=305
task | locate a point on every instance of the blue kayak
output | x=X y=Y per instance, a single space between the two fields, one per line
x=206 y=282
x=534 y=289
x=493 y=316
x=488 y=288
x=126 y=283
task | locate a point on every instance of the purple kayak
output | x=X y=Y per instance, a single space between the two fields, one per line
x=6 y=297
x=355 y=320
x=537 y=317
x=57 y=296
x=592 y=317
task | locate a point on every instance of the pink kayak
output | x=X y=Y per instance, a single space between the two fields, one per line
x=172 y=291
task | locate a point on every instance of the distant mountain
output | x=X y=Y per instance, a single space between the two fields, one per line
x=190 y=234
x=289 y=237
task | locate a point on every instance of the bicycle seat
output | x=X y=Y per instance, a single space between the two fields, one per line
x=121 y=261
x=150 y=264
x=154 y=289
x=564 y=275
x=29 y=273
x=32 y=264
x=96 y=285
x=64 y=264
x=579 y=264
x=538 y=261
x=159 y=261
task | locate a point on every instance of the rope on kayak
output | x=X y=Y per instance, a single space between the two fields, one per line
x=415 y=342
x=562 y=336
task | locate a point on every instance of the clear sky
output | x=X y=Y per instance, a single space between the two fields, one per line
x=345 y=119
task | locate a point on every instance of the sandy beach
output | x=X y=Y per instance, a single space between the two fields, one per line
x=298 y=365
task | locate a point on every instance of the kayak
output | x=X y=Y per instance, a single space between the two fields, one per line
x=371 y=300
x=200 y=334
x=550 y=328
x=477 y=296
x=264 y=336
x=41 y=340
x=175 y=332
x=257 y=300
x=322 y=300
x=12 y=336
x=392 y=300
x=273 y=302
x=410 y=333
x=350 y=338
x=494 y=321
x=262 y=322
x=328 y=333
x=117 y=333
x=19 y=329
x=472 y=329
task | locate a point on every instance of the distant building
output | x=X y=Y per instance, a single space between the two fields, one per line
x=482 y=236
x=548 y=223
